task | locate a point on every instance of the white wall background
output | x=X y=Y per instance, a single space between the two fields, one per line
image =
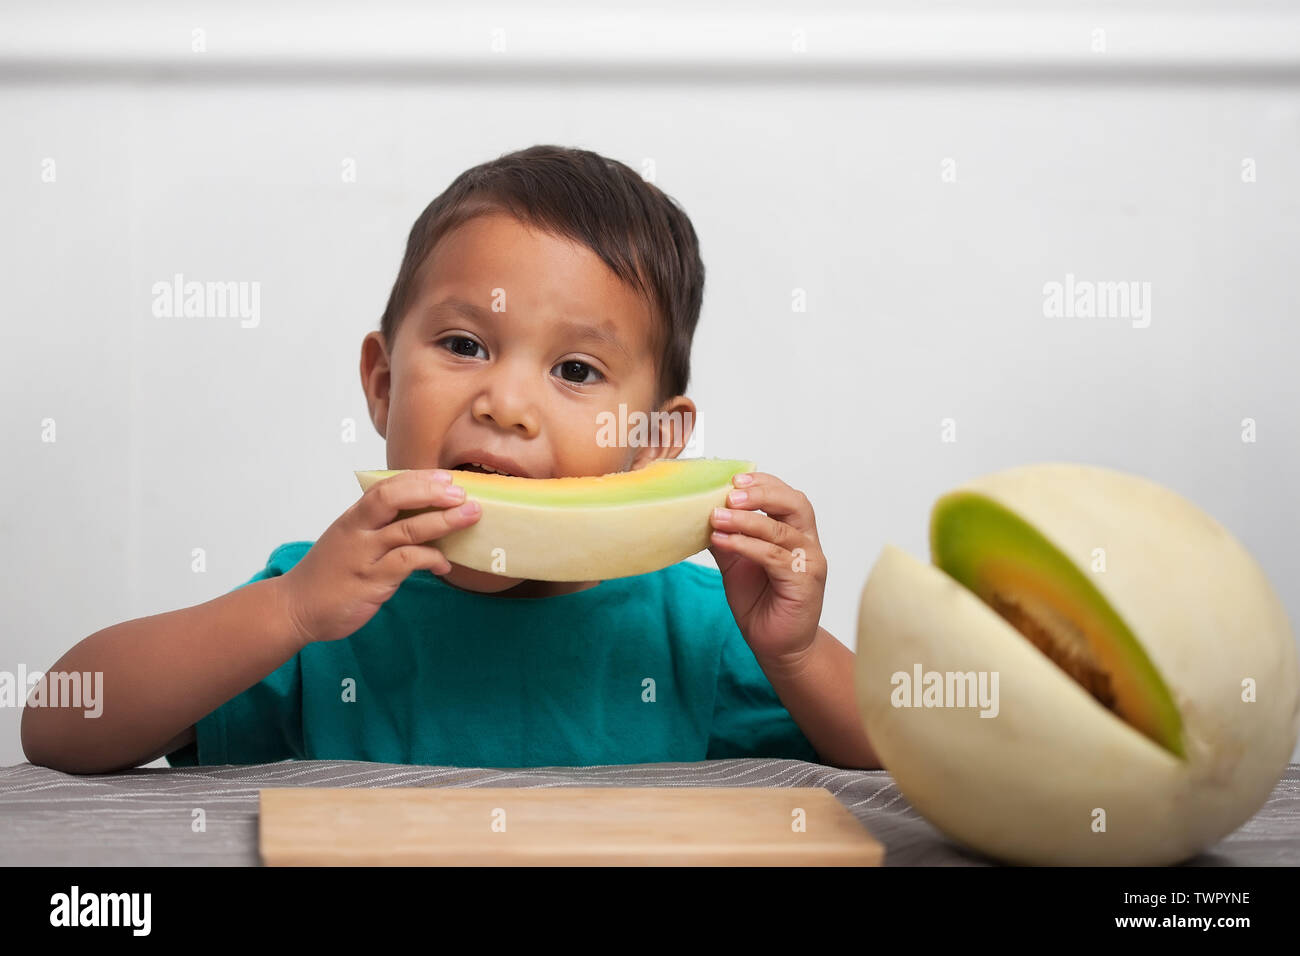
x=818 y=170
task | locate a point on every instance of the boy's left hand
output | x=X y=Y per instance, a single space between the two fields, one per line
x=772 y=566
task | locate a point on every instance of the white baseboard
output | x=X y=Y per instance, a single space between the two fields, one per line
x=664 y=40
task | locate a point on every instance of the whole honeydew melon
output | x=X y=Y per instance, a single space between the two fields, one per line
x=1148 y=691
x=586 y=528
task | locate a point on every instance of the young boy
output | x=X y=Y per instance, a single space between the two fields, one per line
x=538 y=291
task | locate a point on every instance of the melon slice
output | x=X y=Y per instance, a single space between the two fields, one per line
x=1149 y=694
x=586 y=528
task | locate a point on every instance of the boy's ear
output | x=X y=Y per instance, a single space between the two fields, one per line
x=676 y=421
x=376 y=379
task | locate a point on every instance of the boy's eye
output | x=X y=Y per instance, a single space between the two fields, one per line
x=577 y=368
x=460 y=338
x=453 y=343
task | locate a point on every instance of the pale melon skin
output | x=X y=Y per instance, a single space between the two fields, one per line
x=582 y=543
x=1023 y=786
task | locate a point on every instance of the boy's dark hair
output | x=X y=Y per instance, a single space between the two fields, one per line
x=637 y=230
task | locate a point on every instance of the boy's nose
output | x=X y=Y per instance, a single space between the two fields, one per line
x=507 y=407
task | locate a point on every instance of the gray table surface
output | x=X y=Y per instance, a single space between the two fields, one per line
x=144 y=816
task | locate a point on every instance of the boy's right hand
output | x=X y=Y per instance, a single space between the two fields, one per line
x=364 y=556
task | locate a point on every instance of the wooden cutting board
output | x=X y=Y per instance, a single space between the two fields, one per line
x=561 y=826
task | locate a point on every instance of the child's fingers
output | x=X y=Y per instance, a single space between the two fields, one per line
x=400 y=562
x=382 y=501
x=772 y=495
x=781 y=549
x=427 y=526
x=758 y=525
x=774 y=559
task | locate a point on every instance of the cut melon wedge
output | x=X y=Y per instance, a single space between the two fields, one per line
x=588 y=528
x=1148 y=695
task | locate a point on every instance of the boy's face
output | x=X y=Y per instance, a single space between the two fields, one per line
x=510 y=378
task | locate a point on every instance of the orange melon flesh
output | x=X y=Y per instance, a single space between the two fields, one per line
x=586 y=528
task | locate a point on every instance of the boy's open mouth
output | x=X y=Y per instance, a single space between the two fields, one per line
x=483 y=469
x=487 y=462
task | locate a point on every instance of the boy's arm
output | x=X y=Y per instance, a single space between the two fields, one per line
x=160 y=675
x=183 y=739
x=818 y=691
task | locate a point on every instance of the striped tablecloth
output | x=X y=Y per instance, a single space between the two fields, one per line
x=144 y=816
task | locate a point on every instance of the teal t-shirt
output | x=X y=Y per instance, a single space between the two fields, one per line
x=642 y=669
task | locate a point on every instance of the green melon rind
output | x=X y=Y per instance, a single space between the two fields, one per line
x=699 y=476
x=967 y=526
